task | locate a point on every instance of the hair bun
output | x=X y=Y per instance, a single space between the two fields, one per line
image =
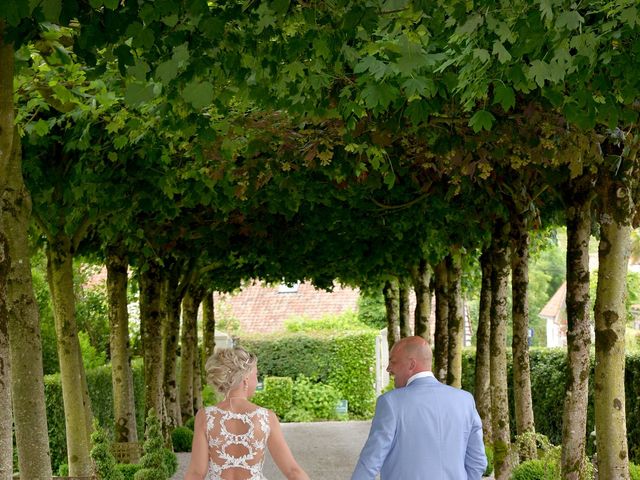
x=227 y=366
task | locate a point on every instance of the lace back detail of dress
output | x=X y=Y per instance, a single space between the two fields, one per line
x=237 y=443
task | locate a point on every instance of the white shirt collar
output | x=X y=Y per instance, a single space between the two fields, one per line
x=426 y=373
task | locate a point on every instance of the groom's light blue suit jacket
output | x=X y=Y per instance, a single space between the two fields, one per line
x=424 y=431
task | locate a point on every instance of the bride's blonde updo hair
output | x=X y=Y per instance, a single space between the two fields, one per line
x=227 y=366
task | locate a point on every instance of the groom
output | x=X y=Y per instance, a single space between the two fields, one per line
x=423 y=429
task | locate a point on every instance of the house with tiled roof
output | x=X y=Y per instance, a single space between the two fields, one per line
x=262 y=308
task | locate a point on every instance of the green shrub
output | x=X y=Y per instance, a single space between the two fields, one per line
x=298 y=414
x=153 y=460
x=170 y=462
x=316 y=398
x=182 y=437
x=210 y=396
x=346 y=361
x=488 y=449
x=346 y=321
x=534 y=470
x=190 y=423
x=277 y=395
x=128 y=470
x=105 y=464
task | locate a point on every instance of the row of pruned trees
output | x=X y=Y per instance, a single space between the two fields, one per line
x=209 y=143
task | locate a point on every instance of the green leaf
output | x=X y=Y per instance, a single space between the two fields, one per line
x=167 y=71
x=280 y=7
x=503 y=55
x=41 y=127
x=630 y=16
x=481 y=120
x=145 y=39
x=267 y=19
x=212 y=28
x=137 y=93
x=470 y=25
x=378 y=94
x=419 y=86
x=481 y=54
x=139 y=70
x=51 y=10
x=571 y=20
x=198 y=94
x=111 y=4
x=170 y=21
x=377 y=68
x=539 y=72
x=505 y=96
x=546 y=9
x=181 y=54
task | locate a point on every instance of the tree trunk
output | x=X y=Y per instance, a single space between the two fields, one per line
x=6 y=417
x=150 y=325
x=208 y=325
x=455 y=324
x=404 y=293
x=197 y=381
x=6 y=137
x=188 y=350
x=610 y=320
x=121 y=374
x=482 y=392
x=25 y=344
x=392 y=305
x=77 y=411
x=171 y=301
x=520 y=340
x=421 y=276
x=441 y=336
x=574 y=418
x=498 y=356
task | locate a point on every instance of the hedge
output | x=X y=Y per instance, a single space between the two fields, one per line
x=548 y=380
x=101 y=395
x=345 y=361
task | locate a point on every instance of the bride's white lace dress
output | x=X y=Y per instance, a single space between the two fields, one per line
x=237 y=443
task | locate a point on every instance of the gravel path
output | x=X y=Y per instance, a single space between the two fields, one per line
x=326 y=450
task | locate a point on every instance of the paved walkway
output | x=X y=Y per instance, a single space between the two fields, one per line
x=326 y=450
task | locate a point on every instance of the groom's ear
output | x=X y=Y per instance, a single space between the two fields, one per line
x=412 y=364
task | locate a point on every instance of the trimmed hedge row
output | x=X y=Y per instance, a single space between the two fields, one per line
x=548 y=380
x=344 y=361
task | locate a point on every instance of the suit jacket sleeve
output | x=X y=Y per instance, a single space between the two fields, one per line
x=379 y=442
x=475 y=461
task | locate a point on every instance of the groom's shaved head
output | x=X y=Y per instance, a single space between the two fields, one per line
x=418 y=349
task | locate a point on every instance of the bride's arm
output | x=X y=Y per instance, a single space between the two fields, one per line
x=199 y=450
x=281 y=453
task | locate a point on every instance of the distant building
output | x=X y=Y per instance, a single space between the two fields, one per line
x=555 y=315
x=260 y=308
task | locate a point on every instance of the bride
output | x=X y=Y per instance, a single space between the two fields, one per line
x=230 y=438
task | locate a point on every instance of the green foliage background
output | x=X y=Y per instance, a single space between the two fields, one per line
x=346 y=361
x=548 y=379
